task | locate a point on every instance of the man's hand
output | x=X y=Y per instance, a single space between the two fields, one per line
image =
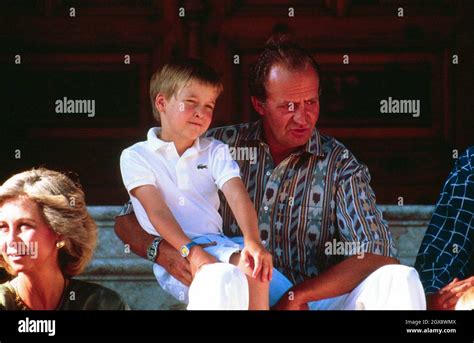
x=170 y=259
x=254 y=253
x=129 y=231
x=448 y=296
x=289 y=302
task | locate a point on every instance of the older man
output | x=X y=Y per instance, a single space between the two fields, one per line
x=317 y=211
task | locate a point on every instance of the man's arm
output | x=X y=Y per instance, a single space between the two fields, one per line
x=129 y=231
x=355 y=199
x=337 y=280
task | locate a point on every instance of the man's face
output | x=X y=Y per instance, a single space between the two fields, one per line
x=291 y=109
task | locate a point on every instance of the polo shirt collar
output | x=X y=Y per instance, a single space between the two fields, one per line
x=202 y=143
x=156 y=143
x=254 y=134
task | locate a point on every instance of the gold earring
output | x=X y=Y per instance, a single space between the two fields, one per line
x=60 y=244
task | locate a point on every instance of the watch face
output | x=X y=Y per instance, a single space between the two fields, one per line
x=184 y=251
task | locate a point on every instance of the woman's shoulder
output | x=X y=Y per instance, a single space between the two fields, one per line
x=82 y=295
x=7 y=297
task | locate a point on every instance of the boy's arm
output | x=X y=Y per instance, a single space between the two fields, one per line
x=129 y=231
x=166 y=225
x=246 y=216
x=160 y=215
x=242 y=208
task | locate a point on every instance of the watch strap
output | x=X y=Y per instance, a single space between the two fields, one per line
x=152 y=251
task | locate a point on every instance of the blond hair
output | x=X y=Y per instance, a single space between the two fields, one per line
x=172 y=77
x=62 y=204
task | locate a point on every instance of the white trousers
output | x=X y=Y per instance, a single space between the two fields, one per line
x=391 y=287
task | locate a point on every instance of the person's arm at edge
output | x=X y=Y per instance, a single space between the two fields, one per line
x=445 y=297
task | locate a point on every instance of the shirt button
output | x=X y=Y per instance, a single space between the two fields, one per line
x=269 y=173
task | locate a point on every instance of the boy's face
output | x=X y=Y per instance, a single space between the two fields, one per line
x=187 y=115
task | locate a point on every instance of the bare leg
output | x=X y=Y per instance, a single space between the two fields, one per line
x=258 y=289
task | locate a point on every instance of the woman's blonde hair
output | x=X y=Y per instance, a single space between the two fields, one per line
x=62 y=204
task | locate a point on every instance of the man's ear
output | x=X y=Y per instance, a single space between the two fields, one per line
x=160 y=102
x=257 y=105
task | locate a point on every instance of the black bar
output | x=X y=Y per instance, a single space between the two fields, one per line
x=233 y=323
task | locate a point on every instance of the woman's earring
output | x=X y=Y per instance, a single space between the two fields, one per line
x=60 y=244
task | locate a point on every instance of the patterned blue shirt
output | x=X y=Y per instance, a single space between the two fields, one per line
x=314 y=208
x=448 y=246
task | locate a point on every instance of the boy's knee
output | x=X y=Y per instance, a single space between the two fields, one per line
x=254 y=281
x=219 y=286
x=248 y=271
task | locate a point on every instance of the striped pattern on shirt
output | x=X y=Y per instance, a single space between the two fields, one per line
x=314 y=209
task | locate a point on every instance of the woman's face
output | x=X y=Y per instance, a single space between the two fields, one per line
x=27 y=243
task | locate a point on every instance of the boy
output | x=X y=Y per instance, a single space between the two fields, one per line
x=174 y=176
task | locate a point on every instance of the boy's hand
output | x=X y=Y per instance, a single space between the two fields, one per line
x=254 y=253
x=198 y=257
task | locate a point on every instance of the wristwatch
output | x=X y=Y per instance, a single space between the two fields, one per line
x=152 y=251
x=184 y=250
x=126 y=209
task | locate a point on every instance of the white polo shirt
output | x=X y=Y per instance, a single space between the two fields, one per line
x=188 y=183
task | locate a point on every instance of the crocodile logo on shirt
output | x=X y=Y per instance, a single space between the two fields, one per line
x=202 y=166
